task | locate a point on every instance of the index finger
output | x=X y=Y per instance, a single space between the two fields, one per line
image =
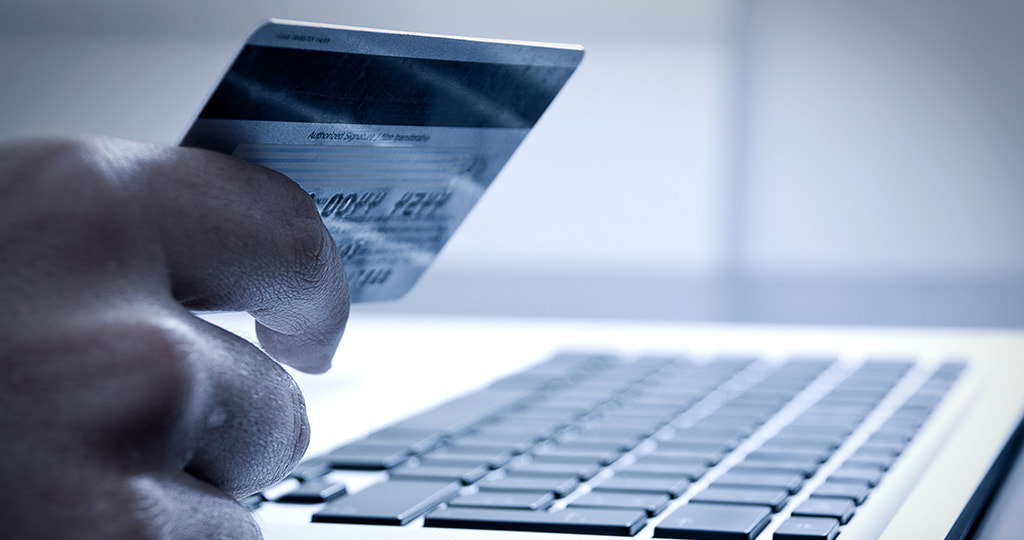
x=245 y=238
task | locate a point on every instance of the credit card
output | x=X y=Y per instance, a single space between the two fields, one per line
x=395 y=136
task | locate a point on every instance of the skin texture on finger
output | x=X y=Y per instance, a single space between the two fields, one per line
x=113 y=506
x=89 y=414
x=68 y=238
x=82 y=245
x=236 y=236
x=218 y=233
x=143 y=392
x=104 y=377
x=255 y=427
x=180 y=507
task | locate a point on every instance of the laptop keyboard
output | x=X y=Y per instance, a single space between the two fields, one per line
x=596 y=444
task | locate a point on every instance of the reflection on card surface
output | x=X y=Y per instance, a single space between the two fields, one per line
x=394 y=136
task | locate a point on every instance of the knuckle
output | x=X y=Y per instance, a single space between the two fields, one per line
x=68 y=190
x=159 y=397
x=120 y=384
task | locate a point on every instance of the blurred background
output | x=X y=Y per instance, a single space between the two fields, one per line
x=853 y=162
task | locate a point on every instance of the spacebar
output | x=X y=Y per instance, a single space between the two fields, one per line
x=462 y=413
x=571 y=520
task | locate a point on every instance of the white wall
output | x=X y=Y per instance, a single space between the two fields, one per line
x=864 y=139
x=884 y=139
x=618 y=175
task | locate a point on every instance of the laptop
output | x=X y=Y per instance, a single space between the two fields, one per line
x=433 y=427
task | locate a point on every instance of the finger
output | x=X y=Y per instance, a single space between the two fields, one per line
x=182 y=507
x=137 y=390
x=242 y=237
x=254 y=425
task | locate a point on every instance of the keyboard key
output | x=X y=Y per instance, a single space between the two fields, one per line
x=814 y=418
x=591 y=443
x=841 y=509
x=594 y=428
x=559 y=486
x=583 y=471
x=314 y=491
x=673 y=487
x=602 y=457
x=666 y=466
x=505 y=499
x=604 y=521
x=880 y=449
x=743 y=425
x=910 y=424
x=805 y=458
x=566 y=458
x=368 y=456
x=395 y=502
x=790 y=455
x=568 y=414
x=515 y=442
x=627 y=427
x=484 y=455
x=544 y=428
x=651 y=503
x=569 y=361
x=675 y=403
x=807 y=528
x=589 y=403
x=891 y=436
x=695 y=444
x=866 y=462
x=647 y=410
x=825 y=444
x=603 y=448
x=464 y=413
x=855 y=491
x=683 y=460
x=805 y=468
x=449 y=460
x=704 y=457
x=311 y=468
x=714 y=522
x=613 y=441
x=691 y=442
x=528 y=381
x=791 y=482
x=417 y=440
x=644 y=425
x=710 y=431
x=775 y=498
x=846 y=473
x=467 y=474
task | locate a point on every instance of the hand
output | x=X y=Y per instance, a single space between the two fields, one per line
x=122 y=415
